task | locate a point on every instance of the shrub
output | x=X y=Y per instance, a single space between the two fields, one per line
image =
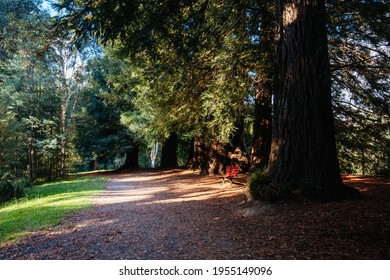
x=23 y=182
x=9 y=191
x=261 y=188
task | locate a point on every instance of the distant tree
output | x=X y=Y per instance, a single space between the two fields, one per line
x=100 y=136
x=25 y=77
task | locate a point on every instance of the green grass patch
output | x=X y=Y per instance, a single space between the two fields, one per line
x=92 y=172
x=45 y=205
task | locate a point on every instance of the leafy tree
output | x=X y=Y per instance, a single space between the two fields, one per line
x=10 y=143
x=183 y=74
x=195 y=67
x=38 y=72
x=100 y=136
x=359 y=56
x=26 y=81
x=13 y=10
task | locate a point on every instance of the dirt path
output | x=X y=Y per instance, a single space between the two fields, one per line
x=178 y=214
x=145 y=215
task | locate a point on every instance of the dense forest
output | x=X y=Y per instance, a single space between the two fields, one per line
x=295 y=91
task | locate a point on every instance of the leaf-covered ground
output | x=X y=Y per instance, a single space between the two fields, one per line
x=177 y=214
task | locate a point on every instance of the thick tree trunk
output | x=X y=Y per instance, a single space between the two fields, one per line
x=217 y=155
x=303 y=155
x=262 y=123
x=200 y=157
x=209 y=157
x=262 y=127
x=169 y=152
x=131 y=161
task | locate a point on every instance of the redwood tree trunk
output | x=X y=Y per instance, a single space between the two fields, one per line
x=200 y=155
x=303 y=155
x=262 y=123
x=262 y=127
x=169 y=152
x=217 y=155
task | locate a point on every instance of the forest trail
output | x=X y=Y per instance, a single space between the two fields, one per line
x=178 y=214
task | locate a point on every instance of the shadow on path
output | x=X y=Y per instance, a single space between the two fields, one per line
x=177 y=214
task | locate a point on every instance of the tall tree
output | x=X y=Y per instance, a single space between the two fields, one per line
x=25 y=77
x=69 y=70
x=100 y=135
x=262 y=123
x=303 y=155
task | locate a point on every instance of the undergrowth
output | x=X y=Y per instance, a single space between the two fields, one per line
x=261 y=188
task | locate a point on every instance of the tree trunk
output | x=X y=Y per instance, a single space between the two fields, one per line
x=262 y=124
x=131 y=161
x=303 y=157
x=209 y=157
x=32 y=155
x=236 y=151
x=63 y=143
x=32 y=158
x=169 y=152
x=153 y=154
x=200 y=159
x=217 y=155
x=262 y=127
x=191 y=153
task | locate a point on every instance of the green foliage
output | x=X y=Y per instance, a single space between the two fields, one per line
x=363 y=145
x=13 y=186
x=359 y=55
x=261 y=188
x=99 y=135
x=9 y=191
x=188 y=67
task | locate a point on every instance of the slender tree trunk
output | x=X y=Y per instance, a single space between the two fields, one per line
x=303 y=155
x=191 y=153
x=63 y=143
x=32 y=155
x=262 y=124
x=236 y=151
x=153 y=154
x=32 y=158
x=169 y=152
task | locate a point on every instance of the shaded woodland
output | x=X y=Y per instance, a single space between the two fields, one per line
x=295 y=92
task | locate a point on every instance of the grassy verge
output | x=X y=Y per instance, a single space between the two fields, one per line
x=46 y=205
